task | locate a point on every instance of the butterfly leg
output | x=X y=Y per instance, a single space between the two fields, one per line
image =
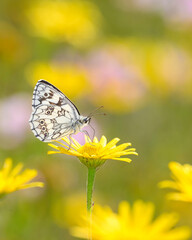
x=86 y=133
x=93 y=130
x=70 y=140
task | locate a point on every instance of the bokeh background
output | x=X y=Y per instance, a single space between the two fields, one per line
x=132 y=57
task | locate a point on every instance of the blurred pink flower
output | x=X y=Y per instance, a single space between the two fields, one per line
x=183 y=11
x=14 y=111
x=116 y=81
x=176 y=10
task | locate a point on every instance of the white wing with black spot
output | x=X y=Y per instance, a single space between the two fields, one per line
x=53 y=114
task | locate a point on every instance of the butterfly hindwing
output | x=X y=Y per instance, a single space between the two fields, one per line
x=53 y=113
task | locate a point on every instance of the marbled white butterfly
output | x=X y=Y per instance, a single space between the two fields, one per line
x=53 y=115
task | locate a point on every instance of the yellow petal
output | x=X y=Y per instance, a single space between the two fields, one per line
x=95 y=140
x=121 y=159
x=33 y=184
x=16 y=170
x=119 y=148
x=69 y=152
x=165 y=221
x=65 y=140
x=26 y=176
x=112 y=143
x=103 y=141
x=179 y=197
x=168 y=184
x=179 y=233
x=76 y=143
x=87 y=139
x=53 y=146
x=7 y=166
x=125 y=212
x=52 y=152
x=124 y=153
x=146 y=210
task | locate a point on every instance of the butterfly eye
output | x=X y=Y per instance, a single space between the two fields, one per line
x=87 y=120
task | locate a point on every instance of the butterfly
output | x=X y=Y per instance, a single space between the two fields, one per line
x=54 y=116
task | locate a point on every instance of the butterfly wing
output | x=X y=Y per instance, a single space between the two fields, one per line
x=53 y=113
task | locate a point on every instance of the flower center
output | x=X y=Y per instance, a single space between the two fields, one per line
x=91 y=149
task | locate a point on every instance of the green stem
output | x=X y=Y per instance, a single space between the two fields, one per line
x=90 y=185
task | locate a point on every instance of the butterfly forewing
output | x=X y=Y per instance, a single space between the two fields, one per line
x=53 y=113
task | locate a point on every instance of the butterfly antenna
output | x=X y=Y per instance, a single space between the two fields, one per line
x=92 y=113
x=104 y=114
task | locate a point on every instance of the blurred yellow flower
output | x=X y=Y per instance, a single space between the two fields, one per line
x=182 y=182
x=12 y=180
x=165 y=67
x=74 y=21
x=94 y=153
x=13 y=47
x=132 y=224
x=71 y=79
x=68 y=210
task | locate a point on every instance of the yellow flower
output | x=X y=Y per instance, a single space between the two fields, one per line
x=11 y=179
x=182 y=182
x=95 y=153
x=74 y=21
x=68 y=210
x=63 y=76
x=13 y=47
x=132 y=224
